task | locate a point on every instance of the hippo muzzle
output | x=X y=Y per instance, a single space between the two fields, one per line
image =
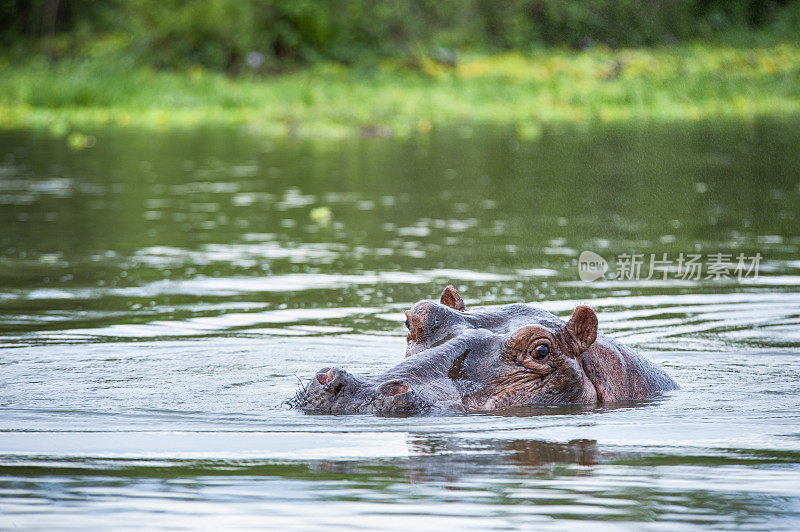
x=334 y=390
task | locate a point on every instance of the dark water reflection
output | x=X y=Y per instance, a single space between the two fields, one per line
x=477 y=484
x=161 y=294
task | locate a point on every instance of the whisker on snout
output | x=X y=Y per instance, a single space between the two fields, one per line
x=300 y=398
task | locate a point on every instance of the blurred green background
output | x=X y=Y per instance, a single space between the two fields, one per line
x=234 y=35
x=311 y=68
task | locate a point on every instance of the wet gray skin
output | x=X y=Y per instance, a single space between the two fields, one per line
x=461 y=360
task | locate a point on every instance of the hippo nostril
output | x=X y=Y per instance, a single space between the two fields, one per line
x=325 y=376
x=393 y=388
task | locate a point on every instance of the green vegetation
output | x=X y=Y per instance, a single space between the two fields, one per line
x=686 y=82
x=320 y=68
x=223 y=34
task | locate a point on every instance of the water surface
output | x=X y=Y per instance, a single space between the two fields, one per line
x=161 y=294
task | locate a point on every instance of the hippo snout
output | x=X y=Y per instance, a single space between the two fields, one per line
x=334 y=390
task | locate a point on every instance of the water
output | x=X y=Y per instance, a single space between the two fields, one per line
x=162 y=293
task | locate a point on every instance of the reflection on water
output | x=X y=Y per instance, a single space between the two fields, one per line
x=160 y=298
x=473 y=484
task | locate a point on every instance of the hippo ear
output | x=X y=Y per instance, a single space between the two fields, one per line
x=582 y=327
x=452 y=298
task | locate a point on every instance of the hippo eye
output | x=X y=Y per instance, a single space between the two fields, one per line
x=542 y=351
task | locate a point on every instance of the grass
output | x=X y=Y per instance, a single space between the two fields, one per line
x=687 y=82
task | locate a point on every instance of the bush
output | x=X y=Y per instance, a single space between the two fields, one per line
x=232 y=35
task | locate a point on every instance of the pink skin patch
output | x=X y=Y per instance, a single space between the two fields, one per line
x=392 y=389
x=325 y=377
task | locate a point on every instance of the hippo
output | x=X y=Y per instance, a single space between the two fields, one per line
x=489 y=358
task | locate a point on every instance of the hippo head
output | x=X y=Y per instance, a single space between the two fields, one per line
x=462 y=360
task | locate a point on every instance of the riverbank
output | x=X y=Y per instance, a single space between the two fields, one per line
x=527 y=91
